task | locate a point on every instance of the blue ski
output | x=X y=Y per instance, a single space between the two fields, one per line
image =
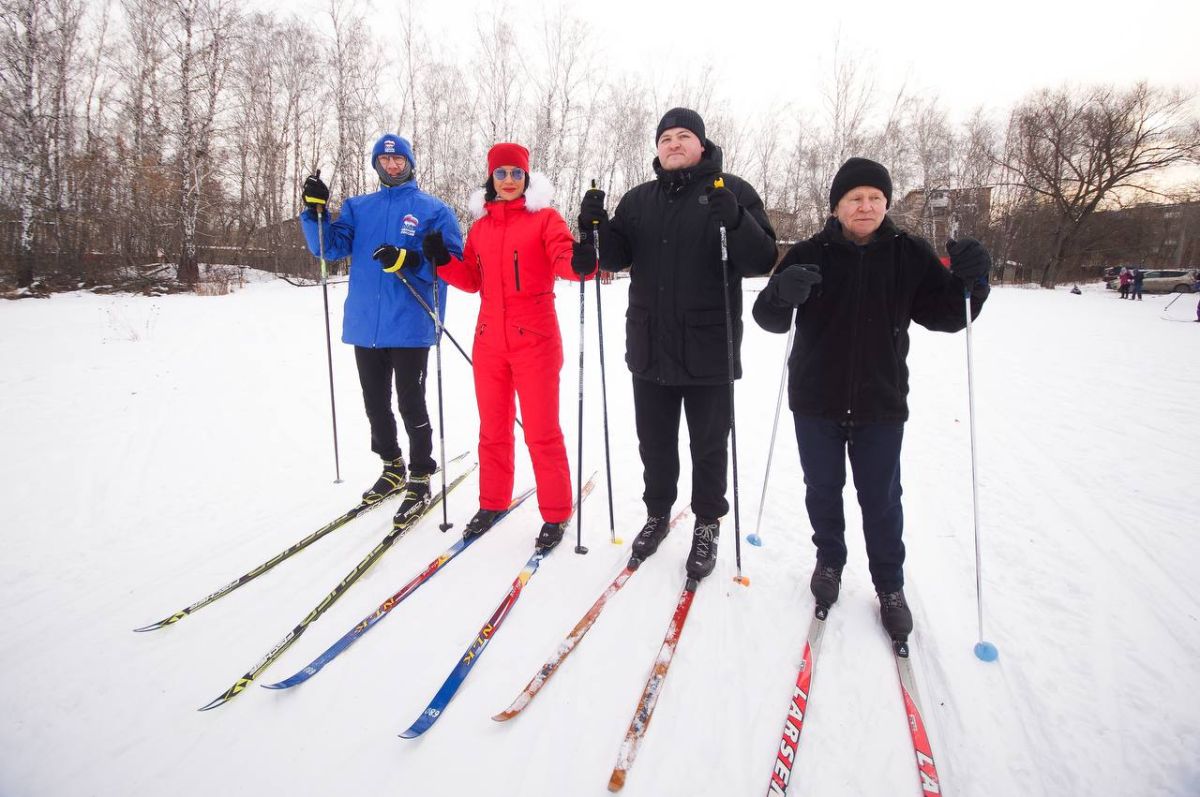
x=450 y=688
x=369 y=621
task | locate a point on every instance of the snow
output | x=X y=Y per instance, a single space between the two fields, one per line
x=156 y=448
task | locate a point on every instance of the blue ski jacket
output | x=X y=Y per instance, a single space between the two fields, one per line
x=380 y=312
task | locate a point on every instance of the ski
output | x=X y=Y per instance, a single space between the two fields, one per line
x=923 y=751
x=332 y=526
x=454 y=681
x=789 y=740
x=399 y=529
x=369 y=621
x=577 y=633
x=645 y=706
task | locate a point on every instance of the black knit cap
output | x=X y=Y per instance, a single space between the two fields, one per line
x=857 y=172
x=680 y=117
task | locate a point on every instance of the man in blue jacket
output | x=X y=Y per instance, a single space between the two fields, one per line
x=390 y=330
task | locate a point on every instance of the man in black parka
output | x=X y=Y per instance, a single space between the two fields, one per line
x=666 y=232
x=854 y=288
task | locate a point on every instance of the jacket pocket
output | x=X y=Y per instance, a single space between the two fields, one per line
x=704 y=352
x=637 y=339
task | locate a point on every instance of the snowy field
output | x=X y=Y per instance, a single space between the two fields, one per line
x=156 y=448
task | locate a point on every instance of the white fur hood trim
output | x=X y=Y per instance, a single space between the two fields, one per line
x=539 y=195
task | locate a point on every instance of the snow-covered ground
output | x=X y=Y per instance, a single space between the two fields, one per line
x=155 y=448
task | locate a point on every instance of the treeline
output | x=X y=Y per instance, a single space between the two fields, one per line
x=135 y=133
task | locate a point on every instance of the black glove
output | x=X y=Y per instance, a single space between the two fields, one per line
x=591 y=209
x=435 y=249
x=794 y=284
x=969 y=261
x=583 y=261
x=393 y=258
x=315 y=193
x=724 y=206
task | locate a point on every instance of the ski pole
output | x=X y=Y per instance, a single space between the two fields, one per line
x=612 y=526
x=580 y=548
x=445 y=525
x=754 y=539
x=985 y=651
x=737 y=522
x=438 y=323
x=337 y=467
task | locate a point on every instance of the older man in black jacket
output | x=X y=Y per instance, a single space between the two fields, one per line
x=666 y=232
x=855 y=287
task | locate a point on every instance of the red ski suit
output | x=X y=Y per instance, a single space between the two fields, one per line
x=511 y=257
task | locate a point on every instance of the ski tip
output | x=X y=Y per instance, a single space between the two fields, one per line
x=617 y=781
x=411 y=733
x=220 y=701
x=754 y=540
x=151 y=627
x=986 y=651
x=504 y=716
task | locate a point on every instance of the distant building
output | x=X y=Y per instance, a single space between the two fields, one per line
x=941 y=213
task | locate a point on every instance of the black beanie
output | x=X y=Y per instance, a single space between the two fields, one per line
x=856 y=172
x=681 y=117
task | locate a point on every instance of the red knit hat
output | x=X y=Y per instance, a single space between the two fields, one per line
x=508 y=155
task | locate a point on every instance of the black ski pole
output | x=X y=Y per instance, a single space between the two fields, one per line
x=337 y=467
x=438 y=323
x=579 y=546
x=612 y=526
x=737 y=522
x=445 y=525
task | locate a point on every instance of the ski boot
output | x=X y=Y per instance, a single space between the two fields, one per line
x=391 y=480
x=703 y=556
x=416 y=498
x=650 y=537
x=484 y=519
x=826 y=584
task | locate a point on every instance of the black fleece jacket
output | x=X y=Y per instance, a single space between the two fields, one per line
x=849 y=359
x=663 y=232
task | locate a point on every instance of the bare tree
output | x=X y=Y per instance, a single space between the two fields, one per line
x=1075 y=150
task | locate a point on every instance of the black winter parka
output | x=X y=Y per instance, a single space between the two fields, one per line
x=849 y=359
x=663 y=232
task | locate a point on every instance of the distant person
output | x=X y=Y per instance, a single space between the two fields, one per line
x=1075 y=290
x=389 y=329
x=1139 y=276
x=854 y=288
x=1123 y=279
x=1196 y=289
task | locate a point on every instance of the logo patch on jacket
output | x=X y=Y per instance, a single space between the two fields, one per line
x=410 y=225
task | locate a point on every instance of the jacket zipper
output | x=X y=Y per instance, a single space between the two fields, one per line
x=517 y=270
x=854 y=336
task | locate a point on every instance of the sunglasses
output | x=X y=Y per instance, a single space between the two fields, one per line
x=502 y=174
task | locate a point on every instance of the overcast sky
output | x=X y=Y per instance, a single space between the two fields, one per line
x=769 y=53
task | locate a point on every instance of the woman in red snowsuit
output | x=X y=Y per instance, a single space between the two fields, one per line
x=514 y=250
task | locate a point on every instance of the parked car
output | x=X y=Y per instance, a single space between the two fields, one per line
x=1162 y=281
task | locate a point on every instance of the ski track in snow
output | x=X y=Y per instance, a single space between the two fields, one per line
x=157 y=448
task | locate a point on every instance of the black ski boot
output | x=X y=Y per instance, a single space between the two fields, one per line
x=484 y=519
x=703 y=557
x=416 y=498
x=550 y=536
x=391 y=480
x=895 y=614
x=826 y=583
x=651 y=536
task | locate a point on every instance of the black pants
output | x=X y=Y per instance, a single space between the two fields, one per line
x=656 y=409
x=376 y=369
x=874 y=450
